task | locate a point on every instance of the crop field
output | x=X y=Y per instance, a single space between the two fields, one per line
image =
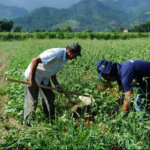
x=88 y=127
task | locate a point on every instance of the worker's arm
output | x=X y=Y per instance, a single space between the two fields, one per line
x=54 y=79
x=119 y=101
x=33 y=67
x=127 y=101
x=121 y=98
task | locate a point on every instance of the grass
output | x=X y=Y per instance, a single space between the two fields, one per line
x=70 y=130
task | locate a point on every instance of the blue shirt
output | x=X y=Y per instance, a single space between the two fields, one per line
x=132 y=73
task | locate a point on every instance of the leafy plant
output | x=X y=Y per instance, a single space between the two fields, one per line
x=89 y=128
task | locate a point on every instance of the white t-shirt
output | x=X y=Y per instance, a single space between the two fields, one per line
x=52 y=61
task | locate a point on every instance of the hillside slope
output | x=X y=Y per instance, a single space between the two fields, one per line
x=10 y=12
x=95 y=15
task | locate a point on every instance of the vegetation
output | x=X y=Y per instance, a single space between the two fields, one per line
x=70 y=35
x=66 y=29
x=72 y=23
x=17 y=29
x=131 y=3
x=6 y=25
x=95 y=15
x=93 y=130
x=142 y=28
x=88 y=31
x=10 y=12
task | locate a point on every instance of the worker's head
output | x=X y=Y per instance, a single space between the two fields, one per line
x=109 y=77
x=73 y=50
x=107 y=70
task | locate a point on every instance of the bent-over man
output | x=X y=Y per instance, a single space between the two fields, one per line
x=39 y=71
x=129 y=74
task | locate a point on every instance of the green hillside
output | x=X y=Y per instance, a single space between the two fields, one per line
x=72 y=23
x=90 y=14
x=95 y=15
x=131 y=3
x=144 y=14
x=42 y=18
x=10 y=12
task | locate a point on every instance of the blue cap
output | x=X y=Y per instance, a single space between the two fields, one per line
x=104 y=66
x=108 y=67
x=101 y=67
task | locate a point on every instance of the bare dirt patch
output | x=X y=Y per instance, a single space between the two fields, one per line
x=6 y=123
x=3 y=59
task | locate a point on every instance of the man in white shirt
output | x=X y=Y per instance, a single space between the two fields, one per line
x=39 y=71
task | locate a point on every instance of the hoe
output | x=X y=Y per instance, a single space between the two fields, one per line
x=85 y=98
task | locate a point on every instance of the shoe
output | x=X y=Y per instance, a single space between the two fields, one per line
x=26 y=123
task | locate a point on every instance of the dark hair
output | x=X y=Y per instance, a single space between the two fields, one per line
x=67 y=48
x=114 y=71
x=107 y=63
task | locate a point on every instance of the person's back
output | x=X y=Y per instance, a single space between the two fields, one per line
x=132 y=73
x=128 y=74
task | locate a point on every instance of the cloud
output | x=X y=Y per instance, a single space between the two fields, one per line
x=32 y=4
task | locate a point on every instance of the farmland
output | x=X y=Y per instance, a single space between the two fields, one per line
x=96 y=132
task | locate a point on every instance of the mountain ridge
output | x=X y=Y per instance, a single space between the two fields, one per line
x=95 y=15
x=10 y=12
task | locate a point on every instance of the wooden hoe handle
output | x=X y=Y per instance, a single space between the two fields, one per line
x=46 y=87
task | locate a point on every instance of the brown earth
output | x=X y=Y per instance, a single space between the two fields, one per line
x=6 y=123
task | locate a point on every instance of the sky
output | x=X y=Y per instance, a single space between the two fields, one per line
x=32 y=4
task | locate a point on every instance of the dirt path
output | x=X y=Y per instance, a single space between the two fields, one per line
x=6 y=123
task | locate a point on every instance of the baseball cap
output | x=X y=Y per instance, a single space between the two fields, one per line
x=102 y=67
x=76 y=47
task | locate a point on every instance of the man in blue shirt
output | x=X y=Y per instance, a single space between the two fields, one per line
x=129 y=74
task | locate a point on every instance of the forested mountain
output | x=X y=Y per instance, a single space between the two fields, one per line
x=130 y=3
x=138 y=10
x=10 y=12
x=142 y=13
x=95 y=15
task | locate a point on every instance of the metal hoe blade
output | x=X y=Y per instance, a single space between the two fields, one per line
x=87 y=100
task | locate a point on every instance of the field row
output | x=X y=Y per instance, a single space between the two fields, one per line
x=70 y=35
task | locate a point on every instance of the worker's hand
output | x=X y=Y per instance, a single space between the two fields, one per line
x=112 y=111
x=124 y=113
x=33 y=83
x=60 y=89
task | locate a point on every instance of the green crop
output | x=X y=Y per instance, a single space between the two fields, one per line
x=70 y=132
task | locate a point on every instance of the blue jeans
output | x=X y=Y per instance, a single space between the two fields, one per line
x=142 y=101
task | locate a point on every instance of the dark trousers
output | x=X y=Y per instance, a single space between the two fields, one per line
x=47 y=98
x=142 y=101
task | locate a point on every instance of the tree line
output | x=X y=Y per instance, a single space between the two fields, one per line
x=7 y=26
x=142 y=28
